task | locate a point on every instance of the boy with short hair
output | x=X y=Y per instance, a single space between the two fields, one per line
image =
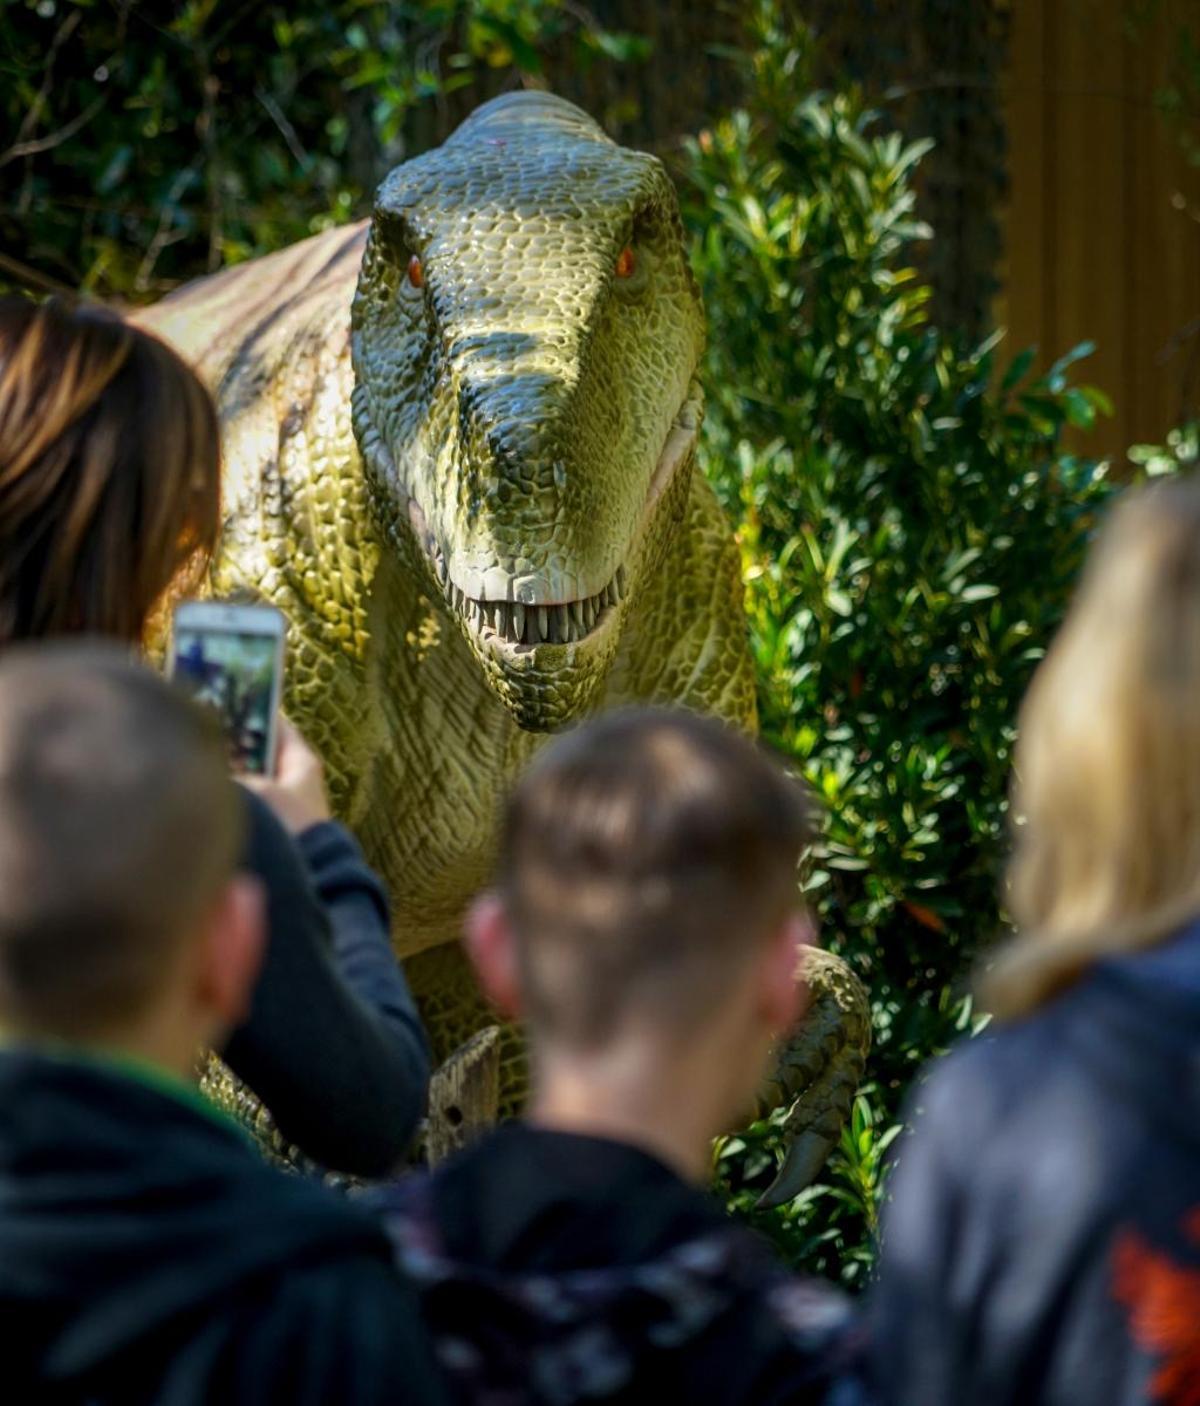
x=147 y=1254
x=646 y=926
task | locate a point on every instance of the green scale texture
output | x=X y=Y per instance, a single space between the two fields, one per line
x=473 y=492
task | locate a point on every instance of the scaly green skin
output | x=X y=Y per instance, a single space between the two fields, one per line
x=416 y=463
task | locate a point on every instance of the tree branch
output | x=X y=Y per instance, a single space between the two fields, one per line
x=61 y=35
x=53 y=139
x=31 y=276
x=288 y=132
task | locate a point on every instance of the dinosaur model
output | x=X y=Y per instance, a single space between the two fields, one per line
x=460 y=447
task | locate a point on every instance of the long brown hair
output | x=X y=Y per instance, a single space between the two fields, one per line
x=1106 y=802
x=109 y=471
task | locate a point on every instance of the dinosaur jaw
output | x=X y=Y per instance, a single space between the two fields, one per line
x=516 y=628
x=546 y=657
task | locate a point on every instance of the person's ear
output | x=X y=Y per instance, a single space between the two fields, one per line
x=234 y=945
x=493 y=952
x=783 y=996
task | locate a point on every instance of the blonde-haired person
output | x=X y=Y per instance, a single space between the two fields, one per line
x=1043 y=1242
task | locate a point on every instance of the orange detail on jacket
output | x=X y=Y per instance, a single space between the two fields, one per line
x=1162 y=1299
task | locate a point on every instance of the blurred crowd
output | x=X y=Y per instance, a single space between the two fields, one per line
x=644 y=925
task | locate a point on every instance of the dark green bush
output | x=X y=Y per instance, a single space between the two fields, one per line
x=911 y=527
x=142 y=144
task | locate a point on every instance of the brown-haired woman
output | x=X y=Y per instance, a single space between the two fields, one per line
x=110 y=498
x=1043 y=1243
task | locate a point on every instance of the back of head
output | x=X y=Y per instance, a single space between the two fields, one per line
x=1107 y=792
x=109 y=471
x=118 y=831
x=646 y=856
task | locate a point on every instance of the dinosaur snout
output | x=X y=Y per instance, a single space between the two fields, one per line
x=521 y=479
x=516 y=425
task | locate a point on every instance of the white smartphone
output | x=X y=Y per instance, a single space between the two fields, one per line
x=231 y=657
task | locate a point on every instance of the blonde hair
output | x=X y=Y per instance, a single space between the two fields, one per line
x=1106 y=802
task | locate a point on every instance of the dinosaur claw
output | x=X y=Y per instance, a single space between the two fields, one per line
x=803 y=1162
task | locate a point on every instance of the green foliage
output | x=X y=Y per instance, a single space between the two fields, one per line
x=832 y=1227
x=911 y=527
x=1181 y=451
x=144 y=143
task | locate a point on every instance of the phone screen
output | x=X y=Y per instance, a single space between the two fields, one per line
x=235 y=673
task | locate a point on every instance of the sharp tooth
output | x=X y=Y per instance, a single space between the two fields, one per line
x=503 y=619
x=518 y=614
x=577 y=612
x=572 y=633
x=589 y=612
x=543 y=619
x=610 y=593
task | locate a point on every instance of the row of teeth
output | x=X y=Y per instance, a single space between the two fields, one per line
x=517 y=623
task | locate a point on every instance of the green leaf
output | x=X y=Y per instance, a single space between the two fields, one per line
x=1018 y=368
x=1055 y=377
x=1079 y=408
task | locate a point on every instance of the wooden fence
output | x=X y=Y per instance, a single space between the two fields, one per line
x=1103 y=219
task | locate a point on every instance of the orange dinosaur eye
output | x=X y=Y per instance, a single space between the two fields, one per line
x=416 y=274
x=625 y=263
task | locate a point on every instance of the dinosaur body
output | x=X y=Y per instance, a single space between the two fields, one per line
x=460 y=456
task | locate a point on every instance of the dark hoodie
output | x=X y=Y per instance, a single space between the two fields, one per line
x=147 y=1255
x=558 y=1269
x=1043 y=1244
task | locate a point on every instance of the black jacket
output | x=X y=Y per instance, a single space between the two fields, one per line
x=563 y=1269
x=147 y=1255
x=333 y=1045
x=1043 y=1244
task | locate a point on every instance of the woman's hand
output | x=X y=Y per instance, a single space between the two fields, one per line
x=296 y=793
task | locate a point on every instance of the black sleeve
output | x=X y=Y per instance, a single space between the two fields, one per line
x=360 y=918
x=337 y=1055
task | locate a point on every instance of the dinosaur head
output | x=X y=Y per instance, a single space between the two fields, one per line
x=526 y=332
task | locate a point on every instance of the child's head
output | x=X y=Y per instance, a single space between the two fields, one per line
x=648 y=880
x=121 y=919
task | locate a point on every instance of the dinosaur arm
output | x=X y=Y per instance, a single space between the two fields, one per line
x=818 y=1070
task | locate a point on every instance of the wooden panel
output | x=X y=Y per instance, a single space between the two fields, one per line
x=1102 y=239
x=1020 y=302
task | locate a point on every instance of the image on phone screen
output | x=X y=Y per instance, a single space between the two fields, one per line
x=233 y=673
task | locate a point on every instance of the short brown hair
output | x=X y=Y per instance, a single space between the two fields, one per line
x=118 y=826
x=109 y=471
x=644 y=856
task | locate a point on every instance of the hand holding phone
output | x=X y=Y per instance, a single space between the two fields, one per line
x=296 y=793
x=231 y=658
